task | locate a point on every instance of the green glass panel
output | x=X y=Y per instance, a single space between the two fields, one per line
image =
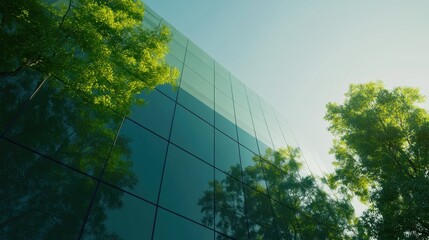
x=193 y=134
x=225 y=123
x=200 y=62
x=259 y=213
x=156 y=113
x=125 y=216
x=197 y=83
x=68 y=129
x=14 y=91
x=196 y=102
x=170 y=226
x=226 y=155
x=222 y=81
x=186 y=186
x=136 y=161
x=40 y=199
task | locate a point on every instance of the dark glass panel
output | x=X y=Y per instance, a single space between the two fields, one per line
x=170 y=226
x=156 y=113
x=187 y=184
x=259 y=213
x=40 y=199
x=252 y=169
x=286 y=221
x=120 y=216
x=67 y=129
x=193 y=134
x=139 y=168
x=227 y=157
x=14 y=90
x=219 y=236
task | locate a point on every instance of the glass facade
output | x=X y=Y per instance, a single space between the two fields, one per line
x=194 y=162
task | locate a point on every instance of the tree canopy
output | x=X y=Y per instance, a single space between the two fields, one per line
x=382 y=156
x=99 y=49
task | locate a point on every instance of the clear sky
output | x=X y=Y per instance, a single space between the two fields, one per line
x=299 y=55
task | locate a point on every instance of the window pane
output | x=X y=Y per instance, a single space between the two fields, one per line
x=186 y=186
x=193 y=134
x=127 y=218
x=136 y=161
x=196 y=102
x=39 y=198
x=259 y=212
x=222 y=81
x=170 y=226
x=69 y=130
x=226 y=155
x=156 y=113
x=200 y=62
x=252 y=171
x=14 y=91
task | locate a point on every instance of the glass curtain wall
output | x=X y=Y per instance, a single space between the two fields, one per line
x=196 y=161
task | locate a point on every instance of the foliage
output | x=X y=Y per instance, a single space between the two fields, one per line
x=98 y=48
x=382 y=156
x=299 y=208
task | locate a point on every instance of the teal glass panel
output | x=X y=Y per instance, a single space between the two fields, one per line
x=196 y=102
x=197 y=83
x=14 y=90
x=259 y=213
x=124 y=216
x=225 y=103
x=174 y=62
x=224 y=116
x=222 y=81
x=136 y=161
x=156 y=113
x=186 y=187
x=169 y=89
x=170 y=226
x=40 y=199
x=239 y=92
x=178 y=43
x=68 y=129
x=255 y=107
x=193 y=134
x=246 y=135
x=200 y=62
x=240 y=98
x=264 y=140
x=225 y=125
x=219 y=236
x=226 y=155
x=252 y=169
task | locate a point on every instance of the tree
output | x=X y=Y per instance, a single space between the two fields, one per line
x=99 y=49
x=68 y=75
x=298 y=209
x=382 y=156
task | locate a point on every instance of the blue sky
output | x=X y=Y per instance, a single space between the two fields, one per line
x=300 y=55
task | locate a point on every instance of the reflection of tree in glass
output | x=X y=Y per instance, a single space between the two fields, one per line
x=88 y=61
x=299 y=209
x=39 y=198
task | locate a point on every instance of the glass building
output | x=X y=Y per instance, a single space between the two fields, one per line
x=196 y=161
